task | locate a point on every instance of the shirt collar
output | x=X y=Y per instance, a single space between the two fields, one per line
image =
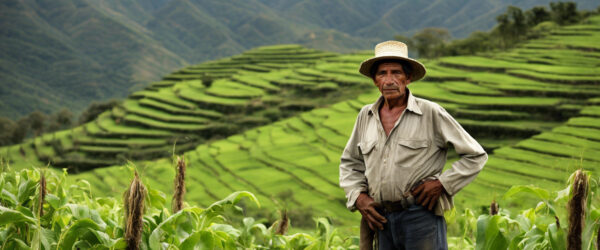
x=411 y=105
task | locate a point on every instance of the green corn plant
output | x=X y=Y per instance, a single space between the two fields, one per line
x=73 y=219
x=540 y=227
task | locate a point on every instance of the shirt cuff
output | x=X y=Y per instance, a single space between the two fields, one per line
x=352 y=196
x=446 y=186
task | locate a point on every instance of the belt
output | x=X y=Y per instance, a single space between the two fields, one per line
x=398 y=206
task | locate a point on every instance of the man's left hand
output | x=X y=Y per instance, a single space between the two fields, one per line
x=428 y=193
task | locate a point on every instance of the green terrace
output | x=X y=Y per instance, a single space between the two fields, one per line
x=274 y=121
x=198 y=103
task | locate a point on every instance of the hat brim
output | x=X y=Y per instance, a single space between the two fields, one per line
x=417 y=67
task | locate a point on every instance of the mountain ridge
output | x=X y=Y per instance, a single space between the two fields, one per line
x=68 y=53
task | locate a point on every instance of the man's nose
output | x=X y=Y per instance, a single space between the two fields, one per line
x=388 y=79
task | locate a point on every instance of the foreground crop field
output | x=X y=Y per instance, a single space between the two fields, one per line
x=536 y=110
x=41 y=210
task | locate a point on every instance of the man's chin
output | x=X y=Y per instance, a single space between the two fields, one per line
x=391 y=96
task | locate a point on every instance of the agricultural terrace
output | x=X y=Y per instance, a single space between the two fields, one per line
x=535 y=109
x=195 y=104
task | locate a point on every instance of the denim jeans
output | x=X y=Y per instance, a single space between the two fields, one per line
x=413 y=228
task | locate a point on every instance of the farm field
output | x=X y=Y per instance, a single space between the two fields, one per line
x=193 y=105
x=274 y=120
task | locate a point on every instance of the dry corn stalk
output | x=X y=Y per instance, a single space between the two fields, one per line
x=576 y=209
x=494 y=208
x=134 y=212
x=42 y=193
x=282 y=227
x=598 y=239
x=179 y=189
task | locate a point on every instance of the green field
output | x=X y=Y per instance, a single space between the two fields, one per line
x=275 y=119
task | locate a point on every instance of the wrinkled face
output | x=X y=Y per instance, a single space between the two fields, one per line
x=391 y=80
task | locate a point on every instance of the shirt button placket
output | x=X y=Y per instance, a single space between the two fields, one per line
x=383 y=170
x=384 y=162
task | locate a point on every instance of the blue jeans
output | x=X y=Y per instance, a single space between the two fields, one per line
x=413 y=228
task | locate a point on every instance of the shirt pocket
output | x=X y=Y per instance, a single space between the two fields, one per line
x=411 y=152
x=366 y=147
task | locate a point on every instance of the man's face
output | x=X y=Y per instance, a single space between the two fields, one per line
x=391 y=80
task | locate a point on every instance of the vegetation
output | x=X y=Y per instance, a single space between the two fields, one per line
x=36 y=123
x=275 y=127
x=513 y=27
x=39 y=209
x=61 y=54
x=228 y=148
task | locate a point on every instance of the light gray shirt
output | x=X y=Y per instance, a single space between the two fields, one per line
x=387 y=167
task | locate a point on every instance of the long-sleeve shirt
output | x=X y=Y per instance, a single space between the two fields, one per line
x=387 y=167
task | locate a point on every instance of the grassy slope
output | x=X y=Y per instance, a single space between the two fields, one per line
x=301 y=153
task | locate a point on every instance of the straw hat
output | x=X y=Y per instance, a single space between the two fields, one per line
x=393 y=50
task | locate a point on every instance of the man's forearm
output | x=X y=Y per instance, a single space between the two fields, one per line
x=462 y=172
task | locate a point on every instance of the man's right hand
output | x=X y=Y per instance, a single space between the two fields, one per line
x=366 y=205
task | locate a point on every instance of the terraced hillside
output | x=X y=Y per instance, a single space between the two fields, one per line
x=535 y=108
x=194 y=104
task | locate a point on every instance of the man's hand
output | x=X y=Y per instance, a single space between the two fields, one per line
x=428 y=193
x=366 y=205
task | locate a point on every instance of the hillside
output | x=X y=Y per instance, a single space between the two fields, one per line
x=61 y=54
x=67 y=53
x=534 y=108
x=196 y=104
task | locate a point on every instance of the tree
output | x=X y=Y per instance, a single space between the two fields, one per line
x=430 y=42
x=60 y=120
x=564 y=12
x=536 y=15
x=64 y=117
x=37 y=121
x=502 y=29
x=476 y=42
x=96 y=109
x=21 y=130
x=516 y=22
x=511 y=27
x=7 y=127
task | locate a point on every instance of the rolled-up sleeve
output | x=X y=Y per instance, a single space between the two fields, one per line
x=352 y=166
x=472 y=156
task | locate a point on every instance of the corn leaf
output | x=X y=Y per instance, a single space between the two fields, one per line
x=556 y=236
x=489 y=234
x=199 y=240
x=527 y=189
x=9 y=216
x=69 y=236
x=233 y=199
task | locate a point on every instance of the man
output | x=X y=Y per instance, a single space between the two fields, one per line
x=391 y=168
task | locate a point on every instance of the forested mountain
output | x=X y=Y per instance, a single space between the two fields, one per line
x=72 y=52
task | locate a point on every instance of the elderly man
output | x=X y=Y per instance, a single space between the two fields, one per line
x=391 y=168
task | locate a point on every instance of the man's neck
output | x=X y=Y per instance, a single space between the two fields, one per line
x=390 y=104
